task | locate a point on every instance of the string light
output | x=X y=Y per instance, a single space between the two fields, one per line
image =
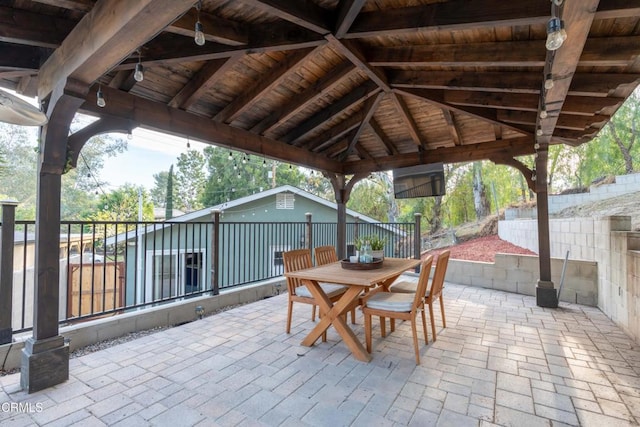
x=556 y=34
x=230 y=155
x=138 y=75
x=199 y=34
x=100 y=102
x=543 y=113
x=188 y=143
x=548 y=82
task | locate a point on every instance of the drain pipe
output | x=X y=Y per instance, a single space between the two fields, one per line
x=564 y=269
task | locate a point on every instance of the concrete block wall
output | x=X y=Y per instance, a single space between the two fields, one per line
x=93 y=331
x=520 y=274
x=577 y=235
x=624 y=184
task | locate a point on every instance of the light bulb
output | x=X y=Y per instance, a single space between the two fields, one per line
x=548 y=82
x=536 y=146
x=543 y=113
x=130 y=136
x=264 y=163
x=100 y=99
x=139 y=73
x=556 y=35
x=230 y=156
x=199 y=36
x=539 y=132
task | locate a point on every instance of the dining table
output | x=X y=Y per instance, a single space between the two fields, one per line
x=357 y=279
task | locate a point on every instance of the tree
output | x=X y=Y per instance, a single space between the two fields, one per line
x=190 y=181
x=159 y=191
x=480 y=201
x=169 y=195
x=234 y=175
x=122 y=204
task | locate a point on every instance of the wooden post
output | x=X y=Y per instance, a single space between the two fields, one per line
x=6 y=269
x=341 y=238
x=45 y=356
x=546 y=295
x=215 y=252
x=308 y=232
x=417 y=238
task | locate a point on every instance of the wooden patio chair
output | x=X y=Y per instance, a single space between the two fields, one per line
x=403 y=306
x=327 y=255
x=297 y=292
x=437 y=285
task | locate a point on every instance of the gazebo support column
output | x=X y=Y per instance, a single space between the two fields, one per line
x=45 y=357
x=342 y=190
x=546 y=295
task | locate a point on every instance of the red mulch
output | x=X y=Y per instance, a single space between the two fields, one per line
x=482 y=249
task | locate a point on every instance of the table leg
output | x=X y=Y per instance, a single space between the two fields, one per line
x=333 y=316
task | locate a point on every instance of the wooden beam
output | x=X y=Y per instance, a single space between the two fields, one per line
x=14 y=57
x=262 y=85
x=206 y=77
x=329 y=136
x=598 y=52
x=453 y=127
x=304 y=13
x=526 y=102
x=369 y=110
x=104 y=37
x=348 y=10
x=353 y=98
x=80 y=5
x=377 y=131
x=123 y=80
x=453 y=15
x=436 y=97
x=565 y=121
x=215 y=29
x=322 y=86
x=354 y=53
x=465 y=153
x=170 y=48
x=583 y=84
x=517 y=164
x=33 y=29
x=156 y=116
x=407 y=118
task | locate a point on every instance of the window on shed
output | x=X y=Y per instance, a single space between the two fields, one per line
x=285 y=201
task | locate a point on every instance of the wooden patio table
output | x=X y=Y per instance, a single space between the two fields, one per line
x=357 y=280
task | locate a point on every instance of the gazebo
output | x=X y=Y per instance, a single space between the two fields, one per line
x=346 y=87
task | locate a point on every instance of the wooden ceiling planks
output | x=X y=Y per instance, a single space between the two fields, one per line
x=349 y=81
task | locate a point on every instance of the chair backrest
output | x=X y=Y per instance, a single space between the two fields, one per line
x=325 y=255
x=295 y=260
x=423 y=280
x=438 y=275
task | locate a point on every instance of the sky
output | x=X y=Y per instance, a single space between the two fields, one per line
x=148 y=153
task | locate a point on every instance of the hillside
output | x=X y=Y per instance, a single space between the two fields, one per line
x=628 y=205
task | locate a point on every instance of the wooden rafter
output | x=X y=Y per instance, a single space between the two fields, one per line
x=334 y=133
x=262 y=85
x=206 y=77
x=33 y=29
x=347 y=12
x=377 y=131
x=356 y=56
x=355 y=97
x=368 y=111
x=453 y=127
x=304 y=13
x=300 y=101
x=407 y=118
x=528 y=53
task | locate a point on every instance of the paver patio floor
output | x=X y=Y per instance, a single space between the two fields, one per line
x=501 y=361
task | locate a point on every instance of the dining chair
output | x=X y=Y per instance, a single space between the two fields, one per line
x=402 y=306
x=437 y=285
x=299 y=259
x=326 y=255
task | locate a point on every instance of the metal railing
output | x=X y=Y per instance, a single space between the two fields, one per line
x=113 y=267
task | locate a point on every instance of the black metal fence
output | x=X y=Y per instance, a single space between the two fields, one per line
x=112 y=267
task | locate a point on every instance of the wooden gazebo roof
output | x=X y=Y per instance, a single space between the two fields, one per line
x=344 y=86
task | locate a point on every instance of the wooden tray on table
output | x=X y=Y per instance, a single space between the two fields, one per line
x=376 y=263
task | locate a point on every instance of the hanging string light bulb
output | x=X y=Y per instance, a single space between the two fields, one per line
x=138 y=75
x=199 y=34
x=100 y=97
x=230 y=155
x=188 y=143
x=264 y=163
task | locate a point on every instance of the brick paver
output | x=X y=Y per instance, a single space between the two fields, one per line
x=501 y=361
